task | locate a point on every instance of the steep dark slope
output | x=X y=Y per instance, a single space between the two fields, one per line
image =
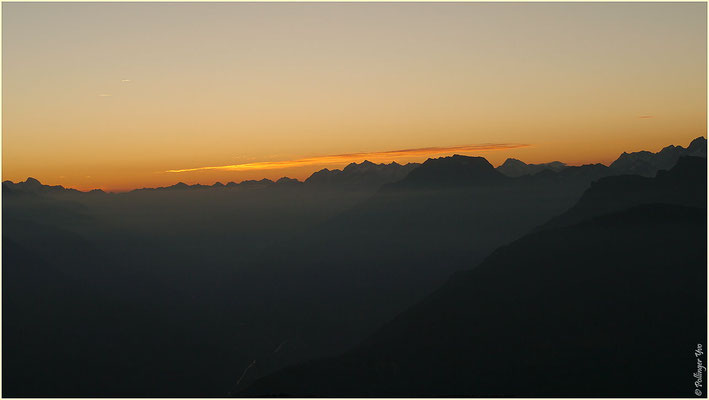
x=646 y=163
x=142 y=305
x=79 y=320
x=610 y=307
x=685 y=184
x=176 y=292
x=597 y=250
x=330 y=287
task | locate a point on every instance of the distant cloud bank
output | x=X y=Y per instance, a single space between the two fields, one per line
x=353 y=157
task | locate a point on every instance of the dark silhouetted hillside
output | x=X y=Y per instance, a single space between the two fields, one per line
x=336 y=283
x=33 y=186
x=198 y=290
x=585 y=290
x=513 y=167
x=456 y=170
x=365 y=174
x=611 y=307
x=685 y=184
x=647 y=164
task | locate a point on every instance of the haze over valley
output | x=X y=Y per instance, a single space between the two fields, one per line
x=354 y=199
x=222 y=285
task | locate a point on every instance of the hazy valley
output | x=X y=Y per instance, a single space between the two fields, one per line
x=402 y=273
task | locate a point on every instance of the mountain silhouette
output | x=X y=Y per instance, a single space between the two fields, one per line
x=200 y=290
x=570 y=310
x=217 y=185
x=585 y=173
x=646 y=163
x=288 y=181
x=348 y=275
x=684 y=184
x=513 y=167
x=32 y=185
x=452 y=171
x=402 y=242
x=604 y=308
x=364 y=174
x=442 y=171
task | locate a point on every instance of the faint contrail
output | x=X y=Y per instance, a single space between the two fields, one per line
x=387 y=155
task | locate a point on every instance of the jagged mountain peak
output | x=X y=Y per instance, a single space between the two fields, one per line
x=513 y=167
x=32 y=185
x=287 y=180
x=32 y=181
x=698 y=147
x=364 y=174
x=452 y=171
x=647 y=163
x=513 y=161
x=457 y=159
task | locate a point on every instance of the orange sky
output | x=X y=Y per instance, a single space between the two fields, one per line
x=115 y=95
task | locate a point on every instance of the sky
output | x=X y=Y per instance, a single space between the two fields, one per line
x=127 y=95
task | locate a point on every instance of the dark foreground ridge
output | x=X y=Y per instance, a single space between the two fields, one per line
x=612 y=306
x=210 y=291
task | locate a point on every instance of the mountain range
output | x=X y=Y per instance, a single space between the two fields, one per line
x=513 y=167
x=374 y=280
x=567 y=311
x=370 y=175
x=645 y=163
x=363 y=174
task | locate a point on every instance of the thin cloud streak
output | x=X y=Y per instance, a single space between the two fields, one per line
x=352 y=157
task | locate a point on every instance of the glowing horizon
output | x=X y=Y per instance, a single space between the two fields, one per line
x=341 y=160
x=391 y=155
x=238 y=91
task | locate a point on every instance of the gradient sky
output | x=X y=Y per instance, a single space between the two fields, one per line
x=114 y=95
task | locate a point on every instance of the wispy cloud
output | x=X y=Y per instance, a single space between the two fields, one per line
x=352 y=157
x=646 y=116
x=125 y=80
